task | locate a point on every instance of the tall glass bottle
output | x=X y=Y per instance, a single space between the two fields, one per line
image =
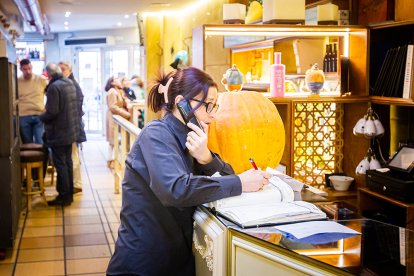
x=330 y=57
x=334 y=59
x=325 y=59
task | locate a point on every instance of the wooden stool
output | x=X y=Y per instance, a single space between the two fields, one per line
x=32 y=159
x=39 y=147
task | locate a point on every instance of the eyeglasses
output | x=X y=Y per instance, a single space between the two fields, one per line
x=210 y=107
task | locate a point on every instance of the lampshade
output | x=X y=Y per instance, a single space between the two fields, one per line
x=369 y=125
x=370 y=162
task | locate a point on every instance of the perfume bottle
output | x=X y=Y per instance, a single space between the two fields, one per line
x=277 y=77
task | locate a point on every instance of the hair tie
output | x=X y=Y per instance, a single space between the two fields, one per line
x=163 y=89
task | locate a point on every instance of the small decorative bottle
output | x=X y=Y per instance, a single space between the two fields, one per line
x=233 y=79
x=314 y=79
x=277 y=77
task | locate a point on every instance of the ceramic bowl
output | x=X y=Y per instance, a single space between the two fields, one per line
x=341 y=182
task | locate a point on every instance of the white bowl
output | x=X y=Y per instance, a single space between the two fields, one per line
x=341 y=182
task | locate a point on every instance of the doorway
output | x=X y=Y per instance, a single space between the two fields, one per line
x=116 y=63
x=95 y=67
x=89 y=76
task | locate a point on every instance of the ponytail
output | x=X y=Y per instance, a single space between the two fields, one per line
x=188 y=82
x=156 y=100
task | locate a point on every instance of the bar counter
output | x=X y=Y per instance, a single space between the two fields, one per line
x=380 y=249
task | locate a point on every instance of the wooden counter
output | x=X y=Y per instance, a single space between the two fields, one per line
x=381 y=249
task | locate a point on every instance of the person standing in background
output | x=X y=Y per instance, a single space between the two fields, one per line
x=138 y=85
x=77 y=178
x=116 y=106
x=61 y=130
x=128 y=92
x=31 y=89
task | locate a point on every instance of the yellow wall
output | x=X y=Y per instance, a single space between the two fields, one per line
x=164 y=32
x=153 y=41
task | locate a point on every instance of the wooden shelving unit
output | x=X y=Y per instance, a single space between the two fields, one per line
x=377 y=206
x=391 y=101
x=210 y=56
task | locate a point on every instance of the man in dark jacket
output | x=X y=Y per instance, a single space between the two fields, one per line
x=61 y=130
x=77 y=179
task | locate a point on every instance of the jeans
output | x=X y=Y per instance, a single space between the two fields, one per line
x=31 y=129
x=62 y=159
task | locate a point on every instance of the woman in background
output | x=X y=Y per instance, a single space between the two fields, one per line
x=116 y=106
x=167 y=174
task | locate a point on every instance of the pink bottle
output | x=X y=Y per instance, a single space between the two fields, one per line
x=277 y=77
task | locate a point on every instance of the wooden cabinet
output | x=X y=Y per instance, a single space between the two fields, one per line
x=250 y=256
x=379 y=207
x=210 y=244
x=397 y=115
x=10 y=183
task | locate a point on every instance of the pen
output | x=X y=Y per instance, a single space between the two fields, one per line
x=253 y=164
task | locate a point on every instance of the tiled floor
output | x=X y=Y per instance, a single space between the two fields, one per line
x=75 y=240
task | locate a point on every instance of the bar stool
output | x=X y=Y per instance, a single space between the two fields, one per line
x=32 y=159
x=39 y=147
x=31 y=146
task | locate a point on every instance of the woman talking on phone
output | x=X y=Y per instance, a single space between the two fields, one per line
x=167 y=175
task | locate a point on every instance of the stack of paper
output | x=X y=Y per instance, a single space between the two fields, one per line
x=316 y=232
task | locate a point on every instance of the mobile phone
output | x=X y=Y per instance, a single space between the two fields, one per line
x=185 y=111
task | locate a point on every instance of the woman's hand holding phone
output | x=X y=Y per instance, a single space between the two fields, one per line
x=254 y=180
x=197 y=140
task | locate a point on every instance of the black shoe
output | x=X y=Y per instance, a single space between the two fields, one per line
x=59 y=202
x=77 y=190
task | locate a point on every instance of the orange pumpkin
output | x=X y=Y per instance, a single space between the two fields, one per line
x=247 y=125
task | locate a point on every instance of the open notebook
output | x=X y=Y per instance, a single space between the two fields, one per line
x=271 y=206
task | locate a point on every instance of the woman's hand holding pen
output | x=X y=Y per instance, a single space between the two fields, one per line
x=197 y=143
x=254 y=180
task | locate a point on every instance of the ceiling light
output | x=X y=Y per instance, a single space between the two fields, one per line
x=160 y=5
x=67 y=14
x=119 y=23
x=66 y=28
x=66 y=23
x=185 y=10
x=126 y=16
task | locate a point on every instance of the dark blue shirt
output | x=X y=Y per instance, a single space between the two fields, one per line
x=161 y=187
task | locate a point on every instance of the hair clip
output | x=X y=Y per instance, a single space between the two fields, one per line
x=163 y=89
